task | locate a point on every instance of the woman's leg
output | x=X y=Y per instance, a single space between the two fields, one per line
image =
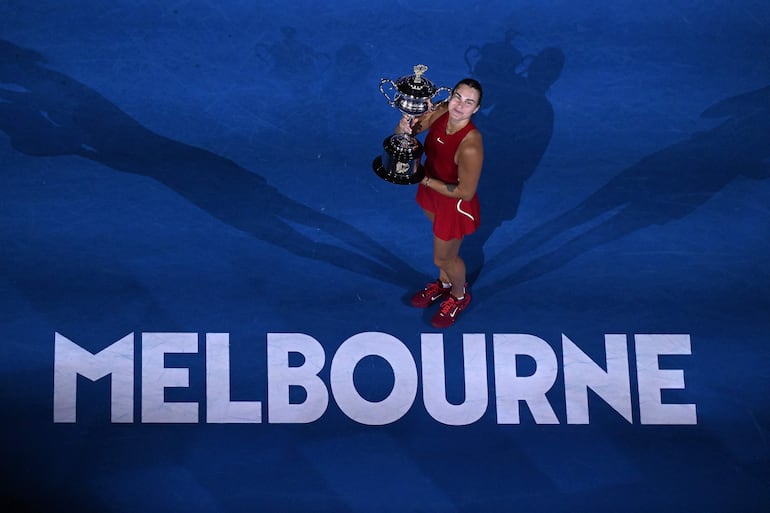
x=442 y=275
x=446 y=256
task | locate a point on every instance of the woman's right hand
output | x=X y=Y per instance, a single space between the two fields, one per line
x=405 y=125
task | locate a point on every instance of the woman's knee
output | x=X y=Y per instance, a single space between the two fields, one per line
x=445 y=262
x=446 y=253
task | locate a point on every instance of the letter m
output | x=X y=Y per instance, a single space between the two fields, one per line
x=71 y=360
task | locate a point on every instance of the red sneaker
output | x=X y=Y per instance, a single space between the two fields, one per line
x=450 y=310
x=430 y=294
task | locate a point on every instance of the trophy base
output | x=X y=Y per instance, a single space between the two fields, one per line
x=397 y=178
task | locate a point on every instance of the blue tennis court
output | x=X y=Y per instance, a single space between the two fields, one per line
x=204 y=285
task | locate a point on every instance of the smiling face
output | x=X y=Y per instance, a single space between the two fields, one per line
x=463 y=103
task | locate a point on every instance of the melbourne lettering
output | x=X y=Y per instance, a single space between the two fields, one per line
x=294 y=361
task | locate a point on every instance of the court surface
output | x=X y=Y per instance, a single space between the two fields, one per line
x=187 y=193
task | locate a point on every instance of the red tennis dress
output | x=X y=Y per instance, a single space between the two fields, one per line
x=454 y=217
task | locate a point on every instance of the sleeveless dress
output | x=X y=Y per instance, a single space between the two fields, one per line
x=454 y=217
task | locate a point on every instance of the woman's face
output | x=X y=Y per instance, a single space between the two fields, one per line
x=463 y=103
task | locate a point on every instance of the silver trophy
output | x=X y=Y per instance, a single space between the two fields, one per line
x=400 y=160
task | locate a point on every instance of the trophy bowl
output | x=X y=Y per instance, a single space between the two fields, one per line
x=411 y=94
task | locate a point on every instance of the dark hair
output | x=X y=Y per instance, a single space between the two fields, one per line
x=472 y=83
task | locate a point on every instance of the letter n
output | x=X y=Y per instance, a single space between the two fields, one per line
x=71 y=360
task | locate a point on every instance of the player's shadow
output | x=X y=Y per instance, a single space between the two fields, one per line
x=516 y=121
x=47 y=113
x=664 y=186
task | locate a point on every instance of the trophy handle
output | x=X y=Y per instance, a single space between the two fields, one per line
x=391 y=101
x=440 y=90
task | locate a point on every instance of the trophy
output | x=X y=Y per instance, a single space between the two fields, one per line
x=400 y=160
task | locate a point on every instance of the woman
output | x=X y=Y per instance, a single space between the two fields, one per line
x=453 y=157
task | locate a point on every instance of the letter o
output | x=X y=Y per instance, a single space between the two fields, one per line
x=393 y=351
